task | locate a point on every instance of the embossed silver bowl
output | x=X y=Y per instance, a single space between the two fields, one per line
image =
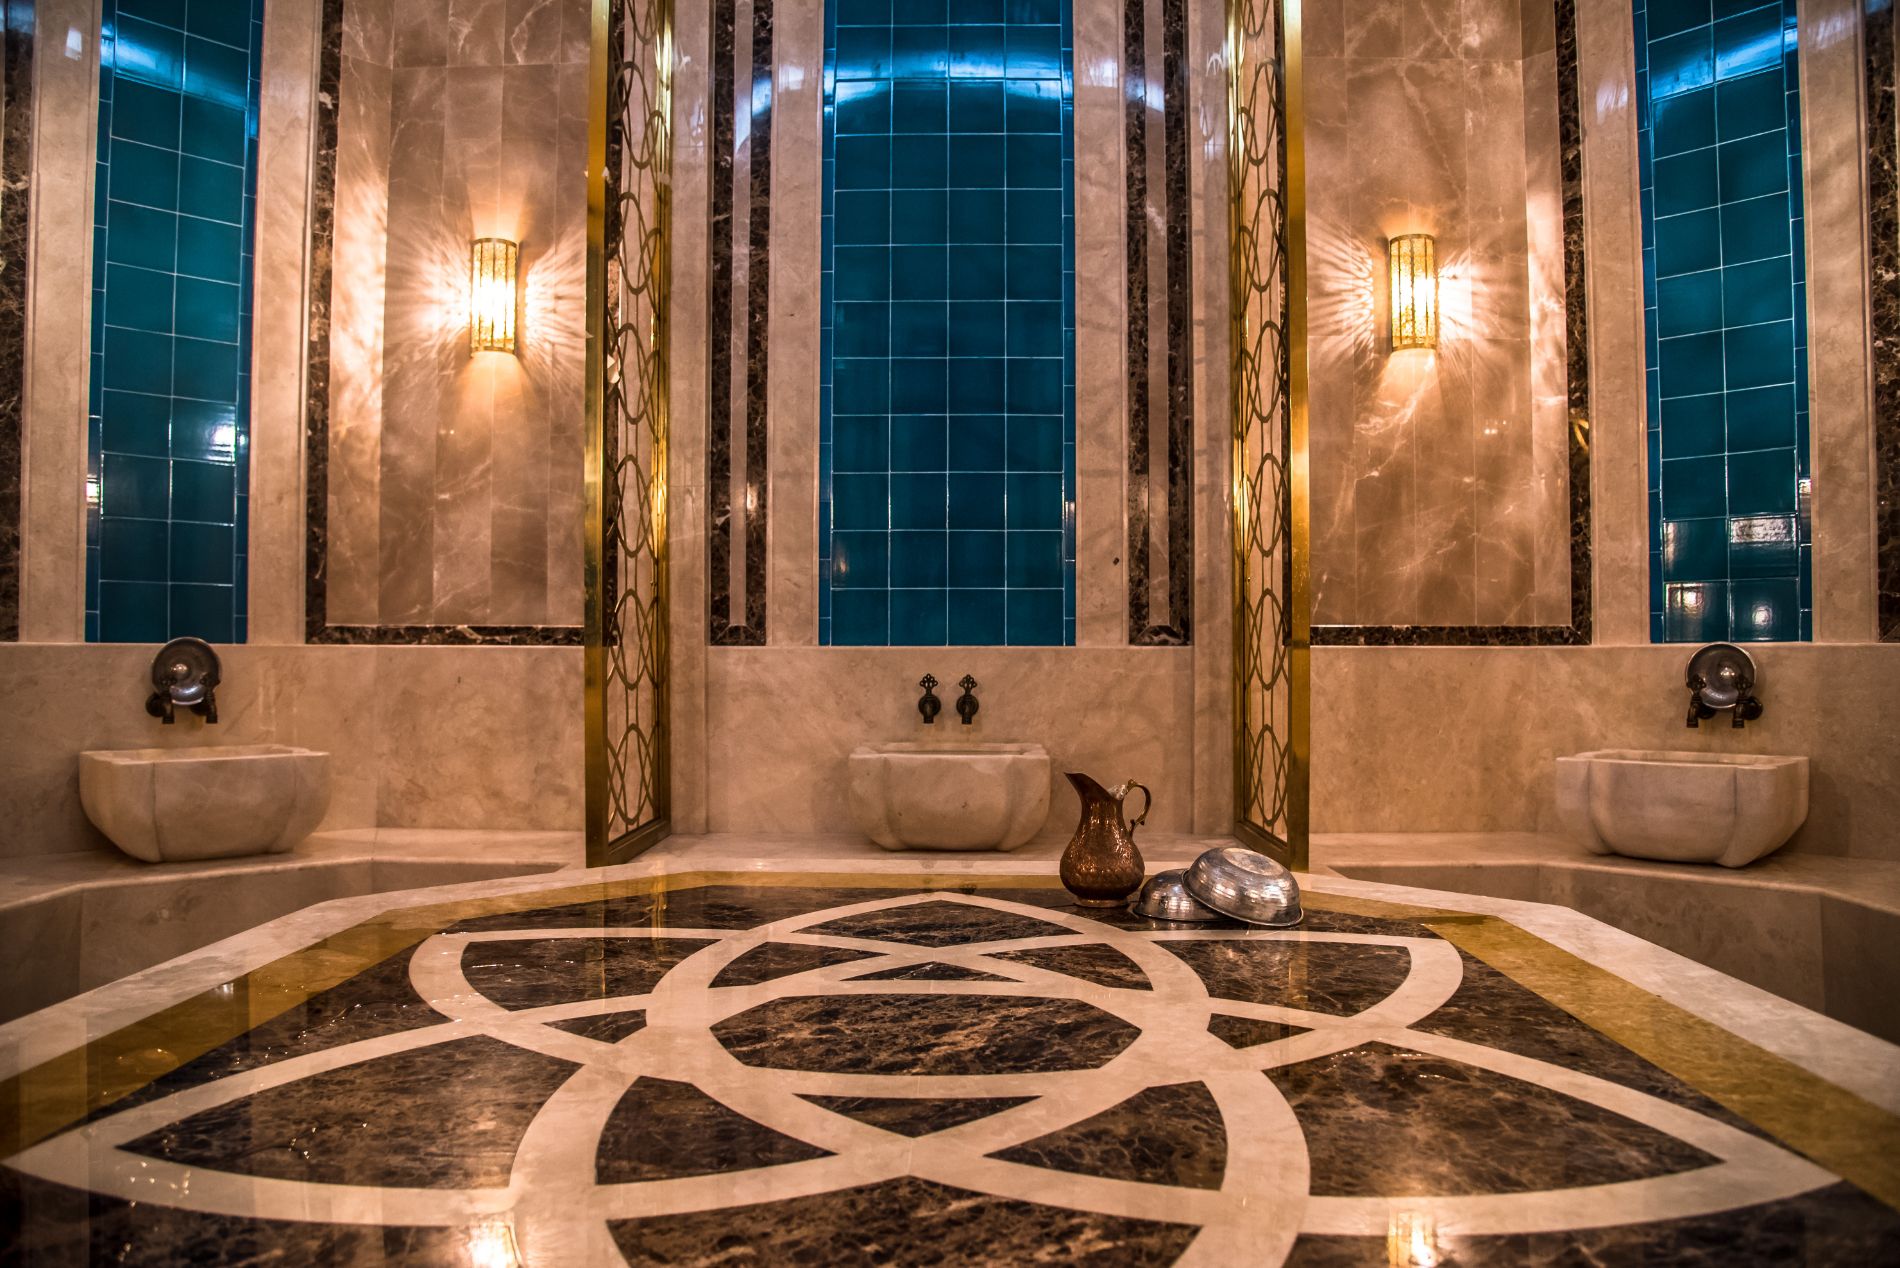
x=1165 y=897
x=1238 y=882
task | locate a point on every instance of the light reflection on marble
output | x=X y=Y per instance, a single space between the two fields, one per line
x=621 y=1127
x=1439 y=478
x=459 y=119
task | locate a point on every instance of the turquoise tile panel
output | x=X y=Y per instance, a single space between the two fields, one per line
x=174 y=221
x=947 y=324
x=1719 y=152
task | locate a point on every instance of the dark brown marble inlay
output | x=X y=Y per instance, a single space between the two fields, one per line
x=917 y=1116
x=1164 y=1135
x=662 y=1130
x=16 y=203
x=1883 y=211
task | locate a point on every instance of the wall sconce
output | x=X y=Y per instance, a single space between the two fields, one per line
x=1414 y=261
x=492 y=294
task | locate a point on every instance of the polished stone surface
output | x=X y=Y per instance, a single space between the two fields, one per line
x=942 y=795
x=687 y=1068
x=1682 y=807
x=172 y=805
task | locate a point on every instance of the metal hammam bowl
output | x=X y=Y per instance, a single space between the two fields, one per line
x=1165 y=897
x=1239 y=883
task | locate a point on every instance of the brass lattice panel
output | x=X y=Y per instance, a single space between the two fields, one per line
x=629 y=210
x=1268 y=349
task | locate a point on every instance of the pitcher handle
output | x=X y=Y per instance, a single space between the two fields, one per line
x=1147 y=804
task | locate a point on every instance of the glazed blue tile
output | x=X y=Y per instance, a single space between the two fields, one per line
x=1761 y=482
x=1694 y=488
x=862 y=108
x=977 y=107
x=1757 y=292
x=1695 y=550
x=132 y=550
x=918 y=443
x=1034 y=560
x=217 y=73
x=207 y=431
x=977 y=442
x=1034 y=51
x=1681 y=63
x=1760 y=355
x=977 y=328
x=1691 y=365
x=1688 y=244
x=1034 y=106
x=1692 y=426
x=860 y=618
x=919 y=385
x=212 y=131
x=203 y=553
x=1034 y=618
x=141 y=236
x=1687 y=182
x=133 y=612
x=143 y=113
x=137 y=361
x=135 y=423
x=919 y=560
x=1035 y=330
x=1762 y=418
x=1749 y=43
x=140 y=299
x=920 y=500
x=1751 y=105
x=1695 y=612
x=978 y=273
x=1035 y=501
x=977 y=559
x=134 y=487
x=1764 y=610
x=862 y=12
x=859 y=561
x=228 y=21
x=978 y=387
x=862 y=273
x=976 y=501
x=977 y=617
x=861 y=443
x=863 y=53
x=202 y=612
x=211 y=191
x=203 y=370
x=1772 y=555
x=918 y=12
x=919 y=329
x=204 y=492
x=860 y=502
x=1756 y=229
x=1033 y=216
x=1753 y=167
x=141 y=174
x=978 y=52
x=919 y=216
x=166 y=12
x=1033 y=273
x=1035 y=444
x=1689 y=304
x=209 y=249
x=918 y=109
x=1034 y=385
x=861 y=330
x=978 y=216
x=919 y=272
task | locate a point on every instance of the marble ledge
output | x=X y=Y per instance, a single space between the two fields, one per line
x=34 y=878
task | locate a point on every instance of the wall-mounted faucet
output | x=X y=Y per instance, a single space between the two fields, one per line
x=967 y=704
x=1722 y=676
x=929 y=705
x=185 y=672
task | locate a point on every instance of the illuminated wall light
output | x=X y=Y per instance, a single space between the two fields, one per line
x=1414 y=262
x=493 y=295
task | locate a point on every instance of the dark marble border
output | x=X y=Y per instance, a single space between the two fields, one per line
x=1577 y=347
x=723 y=196
x=1176 y=627
x=316 y=597
x=1883 y=223
x=16 y=188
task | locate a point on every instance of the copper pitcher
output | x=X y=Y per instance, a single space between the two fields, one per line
x=1102 y=867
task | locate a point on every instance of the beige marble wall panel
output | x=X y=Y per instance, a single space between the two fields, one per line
x=532 y=31
x=1840 y=399
x=1619 y=498
x=1101 y=296
x=369 y=31
x=557 y=313
x=357 y=297
x=58 y=339
x=292 y=36
x=417 y=736
x=1472 y=749
x=421 y=36
x=1213 y=647
x=686 y=392
x=798 y=52
x=783 y=721
x=477 y=32
x=487 y=736
x=1549 y=377
x=420 y=337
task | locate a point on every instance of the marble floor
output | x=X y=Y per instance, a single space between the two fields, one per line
x=675 y=1062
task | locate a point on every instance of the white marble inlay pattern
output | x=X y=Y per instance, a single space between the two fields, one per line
x=557 y=1210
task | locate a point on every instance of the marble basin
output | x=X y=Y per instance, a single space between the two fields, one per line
x=1682 y=807
x=167 y=805
x=963 y=797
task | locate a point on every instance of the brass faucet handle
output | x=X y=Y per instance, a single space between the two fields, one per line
x=968 y=683
x=928 y=682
